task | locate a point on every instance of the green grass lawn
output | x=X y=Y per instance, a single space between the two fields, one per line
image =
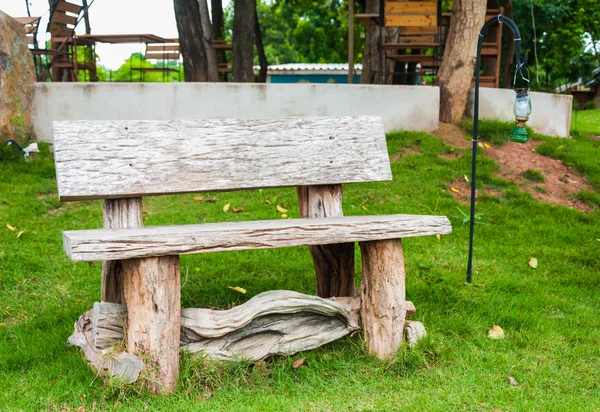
x=550 y=315
x=586 y=121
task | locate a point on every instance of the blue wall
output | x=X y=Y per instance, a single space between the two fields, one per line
x=312 y=78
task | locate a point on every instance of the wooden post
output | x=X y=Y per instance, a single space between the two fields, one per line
x=383 y=306
x=334 y=264
x=118 y=213
x=152 y=296
x=351 y=42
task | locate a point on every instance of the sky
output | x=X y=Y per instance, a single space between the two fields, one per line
x=110 y=17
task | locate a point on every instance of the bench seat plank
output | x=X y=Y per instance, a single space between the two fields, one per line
x=118 y=244
x=135 y=158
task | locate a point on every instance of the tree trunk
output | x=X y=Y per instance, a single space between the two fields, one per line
x=510 y=48
x=243 y=40
x=217 y=19
x=260 y=49
x=211 y=56
x=370 y=71
x=456 y=71
x=191 y=40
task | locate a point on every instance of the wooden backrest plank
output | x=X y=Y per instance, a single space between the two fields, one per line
x=60 y=17
x=408 y=20
x=161 y=47
x=121 y=159
x=411 y=7
x=28 y=20
x=58 y=30
x=162 y=56
x=67 y=7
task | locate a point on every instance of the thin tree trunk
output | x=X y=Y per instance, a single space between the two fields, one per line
x=217 y=19
x=510 y=48
x=262 y=57
x=456 y=71
x=211 y=57
x=191 y=40
x=243 y=40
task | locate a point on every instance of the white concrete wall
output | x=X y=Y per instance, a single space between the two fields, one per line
x=551 y=113
x=401 y=107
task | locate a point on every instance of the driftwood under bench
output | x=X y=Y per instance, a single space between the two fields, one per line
x=123 y=161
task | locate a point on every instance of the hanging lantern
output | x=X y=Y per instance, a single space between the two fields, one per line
x=522 y=110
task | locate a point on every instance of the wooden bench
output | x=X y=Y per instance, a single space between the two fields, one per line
x=122 y=161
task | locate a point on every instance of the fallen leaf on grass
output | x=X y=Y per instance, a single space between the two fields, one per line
x=267 y=201
x=198 y=198
x=513 y=381
x=237 y=289
x=466 y=179
x=364 y=207
x=281 y=209
x=284 y=216
x=487 y=146
x=10 y=227
x=455 y=190
x=238 y=209
x=496 y=333
x=211 y=199
x=298 y=363
x=226 y=207
x=438 y=237
x=533 y=263
x=20 y=233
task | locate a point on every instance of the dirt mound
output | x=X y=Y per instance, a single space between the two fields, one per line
x=547 y=179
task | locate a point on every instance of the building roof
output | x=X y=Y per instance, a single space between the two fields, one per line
x=311 y=68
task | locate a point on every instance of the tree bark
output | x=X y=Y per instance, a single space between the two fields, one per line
x=456 y=71
x=510 y=49
x=217 y=19
x=211 y=56
x=191 y=40
x=260 y=49
x=243 y=40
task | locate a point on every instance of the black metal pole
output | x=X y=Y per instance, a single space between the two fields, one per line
x=517 y=35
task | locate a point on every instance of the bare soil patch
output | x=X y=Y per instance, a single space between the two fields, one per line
x=560 y=184
x=403 y=152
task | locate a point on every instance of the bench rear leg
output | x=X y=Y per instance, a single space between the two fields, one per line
x=383 y=308
x=152 y=294
x=334 y=264
x=118 y=213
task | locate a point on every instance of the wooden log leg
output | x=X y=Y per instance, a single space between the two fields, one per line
x=383 y=307
x=334 y=264
x=152 y=294
x=118 y=213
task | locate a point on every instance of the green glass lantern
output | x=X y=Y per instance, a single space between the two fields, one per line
x=522 y=110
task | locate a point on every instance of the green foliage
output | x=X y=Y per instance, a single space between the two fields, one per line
x=534 y=175
x=304 y=31
x=586 y=122
x=591 y=198
x=591 y=105
x=127 y=72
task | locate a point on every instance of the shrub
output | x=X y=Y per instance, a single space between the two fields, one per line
x=591 y=105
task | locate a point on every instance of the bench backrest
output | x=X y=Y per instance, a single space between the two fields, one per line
x=134 y=158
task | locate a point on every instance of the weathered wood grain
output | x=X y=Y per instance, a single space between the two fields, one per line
x=118 y=213
x=152 y=295
x=105 y=361
x=334 y=264
x=383 y=309
x=273 y=322
x=115 y=244
x=116 y=159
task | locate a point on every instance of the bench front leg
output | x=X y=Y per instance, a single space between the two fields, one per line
x=152 y=294
x=383 y=294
